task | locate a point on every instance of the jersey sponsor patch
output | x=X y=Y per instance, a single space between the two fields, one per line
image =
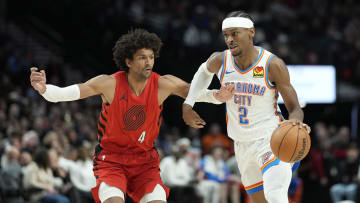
x=258 y=72
x=266 y=157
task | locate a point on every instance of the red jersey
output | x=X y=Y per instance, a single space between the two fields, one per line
x=130 y=124
x=127 y=128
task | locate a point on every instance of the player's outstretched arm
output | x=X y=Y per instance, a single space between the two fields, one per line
x=52 y=93
x=172 y=85
x=279 y=74
x=199 y=83
x=203 y=77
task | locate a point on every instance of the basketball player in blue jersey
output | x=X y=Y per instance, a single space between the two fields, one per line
x=252 y=114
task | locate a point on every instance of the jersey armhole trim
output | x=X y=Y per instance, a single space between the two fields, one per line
x=118 y=78
x=268 y=83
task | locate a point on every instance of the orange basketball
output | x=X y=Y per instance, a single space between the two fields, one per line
x=290 y=143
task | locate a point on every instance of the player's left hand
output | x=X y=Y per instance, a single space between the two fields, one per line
x=225 y=93
x=191 y=118
x=295 y=122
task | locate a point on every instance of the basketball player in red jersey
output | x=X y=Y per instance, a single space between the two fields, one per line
x=125 y=159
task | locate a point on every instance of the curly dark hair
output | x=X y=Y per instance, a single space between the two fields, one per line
x=128 y=44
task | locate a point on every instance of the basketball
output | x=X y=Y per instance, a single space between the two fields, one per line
x=290 y=143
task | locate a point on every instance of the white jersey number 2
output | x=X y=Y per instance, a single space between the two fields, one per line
x=142 y=137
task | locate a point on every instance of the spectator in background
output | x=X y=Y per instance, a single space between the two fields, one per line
x=10 y=177
x=39 y=181
x=215 y=138
x=235 y=182
x=178 y=174
x=25 y=159
x=193 y=156
x=348 y=178
x=10 y=163
x=195 y=135
x=81 y=176
x=215 y=175
x=30 y=141
x=321 y=161
x=174 y=169
x=341 y=142
x=51 y=140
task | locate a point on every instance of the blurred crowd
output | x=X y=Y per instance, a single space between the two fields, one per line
x=46 y=148
x=332 y=166
x=300 y=32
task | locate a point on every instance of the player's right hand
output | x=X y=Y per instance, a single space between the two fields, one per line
x=191 y=118
x=225 y=93
x=38 y=80
x=295 y=122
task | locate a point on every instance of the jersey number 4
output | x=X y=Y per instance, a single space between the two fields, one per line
x=142 y=137
x=243 y=114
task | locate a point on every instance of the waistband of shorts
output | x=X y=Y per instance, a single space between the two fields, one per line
x=128 y=157
x=252 y=136
x=254 y=139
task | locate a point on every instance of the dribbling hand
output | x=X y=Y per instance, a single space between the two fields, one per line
x=191 y=118
x=38 y=80
x=225 y=93
x=295 y=122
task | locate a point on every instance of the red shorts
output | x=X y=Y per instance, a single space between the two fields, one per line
x=133 y=173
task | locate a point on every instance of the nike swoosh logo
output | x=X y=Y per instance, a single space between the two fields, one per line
x=226 y=72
